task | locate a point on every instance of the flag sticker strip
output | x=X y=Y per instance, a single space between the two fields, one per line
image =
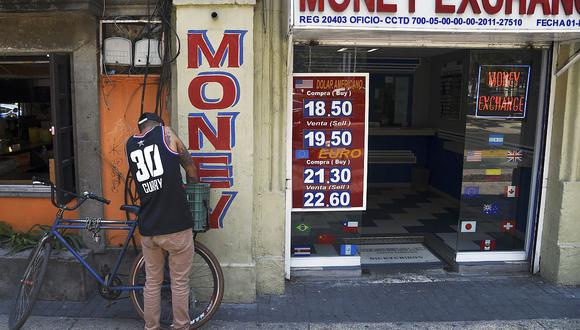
x=487 y=245
x=495 y=139
x=302 y=251
x=348 y=249
x=493 y=172
x=512 y=191
x=490 y=209
x=471 y=191
x=474 y=155
x=507 y=226
x=468 y=226
x=304 y=83
x=515 y=156
x=302 y=154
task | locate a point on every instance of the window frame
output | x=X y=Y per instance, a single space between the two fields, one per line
x=30 y=190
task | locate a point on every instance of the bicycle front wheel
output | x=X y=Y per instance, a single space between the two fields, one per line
x=30 y=284
x=206 y=288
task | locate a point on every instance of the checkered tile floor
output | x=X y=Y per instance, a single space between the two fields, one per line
x=402 y=210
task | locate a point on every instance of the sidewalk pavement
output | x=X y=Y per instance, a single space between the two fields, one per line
x=428 y=300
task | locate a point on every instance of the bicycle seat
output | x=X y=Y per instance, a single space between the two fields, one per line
x=130 y=208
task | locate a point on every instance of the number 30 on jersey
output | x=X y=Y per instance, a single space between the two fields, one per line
x=148 y=163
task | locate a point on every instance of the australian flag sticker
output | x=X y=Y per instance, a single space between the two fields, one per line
x=490 y=209
x=495 y=139
x=302 y=154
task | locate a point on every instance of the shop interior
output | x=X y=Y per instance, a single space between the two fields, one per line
x=26 y=144
x=433 y=170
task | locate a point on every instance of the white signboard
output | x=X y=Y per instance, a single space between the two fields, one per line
x=440 y=15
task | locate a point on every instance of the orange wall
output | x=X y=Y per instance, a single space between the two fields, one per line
x=23 y=213
x=120 y=105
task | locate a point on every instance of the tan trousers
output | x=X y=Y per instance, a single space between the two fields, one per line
x=179 y=246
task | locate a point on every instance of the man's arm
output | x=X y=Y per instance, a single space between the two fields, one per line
x=185 y=160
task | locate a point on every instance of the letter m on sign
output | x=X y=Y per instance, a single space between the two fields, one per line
x=231 y=48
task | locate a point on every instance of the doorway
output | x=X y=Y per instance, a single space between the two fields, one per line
x=452 y=157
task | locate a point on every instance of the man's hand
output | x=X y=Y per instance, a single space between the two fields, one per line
x=175 y=143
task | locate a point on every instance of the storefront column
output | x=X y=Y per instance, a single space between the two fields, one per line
x=271 y=47
x=213 y=111
x=560 y=253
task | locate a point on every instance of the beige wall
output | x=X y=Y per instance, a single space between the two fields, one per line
x=560 y=253
x=250 y=245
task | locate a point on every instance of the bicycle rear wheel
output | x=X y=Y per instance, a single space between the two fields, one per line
x=205 y=294
x=30 y=284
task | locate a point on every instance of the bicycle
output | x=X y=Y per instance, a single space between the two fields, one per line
x=206 y=278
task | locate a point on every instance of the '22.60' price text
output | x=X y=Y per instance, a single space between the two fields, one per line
x=319 y=200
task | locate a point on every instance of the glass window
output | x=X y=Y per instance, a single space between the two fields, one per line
x=35 y=118
x=451 y=150
x=26 y=147
x=499 y=149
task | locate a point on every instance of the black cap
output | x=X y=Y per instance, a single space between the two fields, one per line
x=149 y=116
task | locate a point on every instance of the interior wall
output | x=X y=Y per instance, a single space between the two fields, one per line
x=421 y=95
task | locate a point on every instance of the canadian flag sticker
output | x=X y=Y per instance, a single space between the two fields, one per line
x=468 y=226
x=512 y=191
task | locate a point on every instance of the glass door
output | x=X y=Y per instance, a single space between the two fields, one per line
x=500 y=150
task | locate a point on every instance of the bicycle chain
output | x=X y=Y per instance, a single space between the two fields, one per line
x=93 y=225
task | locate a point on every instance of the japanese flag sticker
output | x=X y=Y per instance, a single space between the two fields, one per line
x=468 y=226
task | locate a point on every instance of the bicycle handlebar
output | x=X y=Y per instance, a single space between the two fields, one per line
x=81 y=198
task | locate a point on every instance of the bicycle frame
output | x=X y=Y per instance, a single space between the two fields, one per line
x=128 y=225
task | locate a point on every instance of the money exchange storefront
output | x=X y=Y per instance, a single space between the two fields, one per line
x=417 y=131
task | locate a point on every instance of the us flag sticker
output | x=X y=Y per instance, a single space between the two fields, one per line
x=468 y=226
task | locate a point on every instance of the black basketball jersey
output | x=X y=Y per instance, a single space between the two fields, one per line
x=155 y=169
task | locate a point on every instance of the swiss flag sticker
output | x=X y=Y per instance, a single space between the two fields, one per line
x=507 y=226
x=468 y=226
x=487 y=245
x=512 y=191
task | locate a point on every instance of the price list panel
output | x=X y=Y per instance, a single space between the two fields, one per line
x=329 y=142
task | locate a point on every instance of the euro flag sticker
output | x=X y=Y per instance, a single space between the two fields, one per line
x=471 y=192
x=495 y=139
x=348 y=250
x=302 y=154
